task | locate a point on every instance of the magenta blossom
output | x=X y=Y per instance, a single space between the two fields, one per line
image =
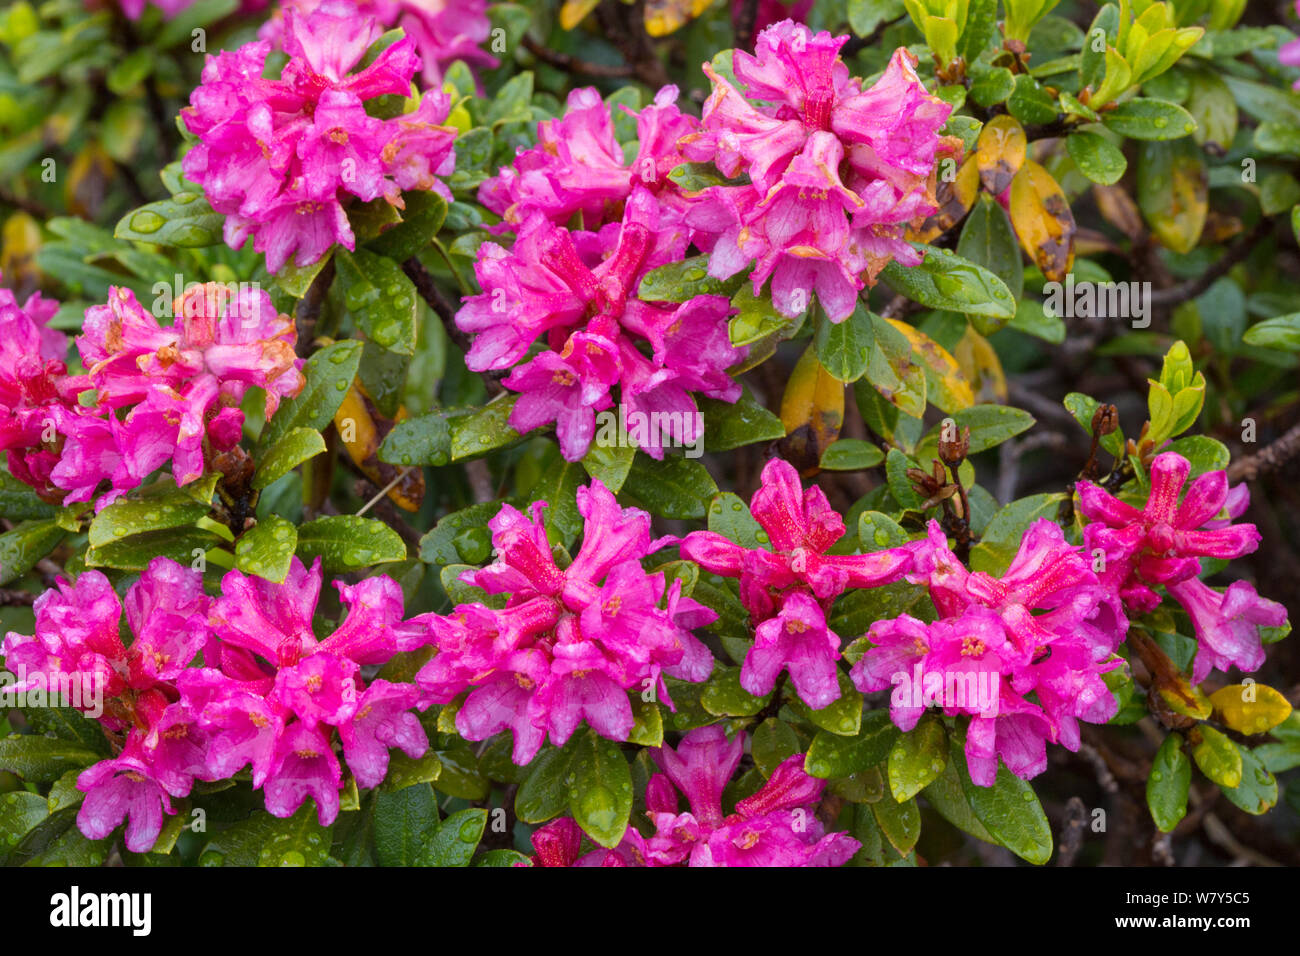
x=280 y=157
x=789 y=589
x=1036 y=630
x=837 y=172
x=1162 y=544
x=570 y=643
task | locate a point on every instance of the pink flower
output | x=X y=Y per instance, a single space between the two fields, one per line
x=579 y=290
x=570 y=643
x=837 y=171
x=123 y=788
x=1162 y=544
x=281 y=157
x=1036 y=631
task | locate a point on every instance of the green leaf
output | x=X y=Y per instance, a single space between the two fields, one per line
x=404 y=820
x=483 y=430
x=992 y=86
x=558 y=487
x=1282 y=332
x=290 y=451
x=461 y=537
x=843 y=716
x=730 y=517
x=600 y=788
x=544 y=793
x=136 y=552
x=19 y=502
x=126 y=518
x=730 y=425
x=851 y=454
x=185 y=221
x=423 y=440
x=456 y=839
x=1168 y=784
x=900 y=822
x=988 y=240
x=648 y=729
x=1083 y=408
x=1004 y=532
x=267 y=549
x=832 y=755
x=329 y=375
x=296 y=280
x=264 y=840
x=1150 y=119
x=1203 y=452
x=673 y=488
x=381 y=297
x=683 y=281
x=724 y=697
x=917 y=758
x=879 y=532
x=20 y=812
x=865 y=15
x=40 y=759
x=947 y=797
x=1097 y=157
x=421 y=220
x=946 y=281
x=844 y=348
x=1009 y=810
x=990 y=426
x=1258 y=790
x=26 y=544
x=1029 y=102
x=347 y=542
x=774 y=741
x=610 y=464
x=509 y=858
x=757 y=319
x=1218 y=757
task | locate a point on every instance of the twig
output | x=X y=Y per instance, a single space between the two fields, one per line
x=307 y=313
x=444 y=310
x=11 y=597
x=571 y=64
x=746 y=19
x=1266 y=459
x=1076 y=822
x=385 y=490
x=1194 y=287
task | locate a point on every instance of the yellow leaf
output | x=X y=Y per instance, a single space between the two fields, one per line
x=1250 y=708
x=812 y=411
x=955 y=199
x=19 y=241
x=1000 y=152
x=663 y=17
x=945 y=384
x=362 y=430
x=980 y=364
x=575 y=11
x=1043 y=221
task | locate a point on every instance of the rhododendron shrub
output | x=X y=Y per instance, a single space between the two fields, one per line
x=782 y=433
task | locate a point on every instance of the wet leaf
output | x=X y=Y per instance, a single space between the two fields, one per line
x=1043 y=221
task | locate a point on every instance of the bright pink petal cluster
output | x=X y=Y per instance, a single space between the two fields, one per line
x=579 y=290
x=443 y=30
x=280 y=157
x=1041 y=629
x=777 y=826
x=1163 y=544
x=789 y=588
x=267 y=693
x=161 y=393
x=578 y=167
x=569 y=643
x=837 y=172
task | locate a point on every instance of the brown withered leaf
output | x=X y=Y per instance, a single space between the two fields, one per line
x=1041 y=216
x=363 y=430
x=1000 y=152
x=812 y=410
x=955 y=199
x=1118 y=208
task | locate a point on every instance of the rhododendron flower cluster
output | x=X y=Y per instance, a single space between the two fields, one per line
x=1163 y=545
x=570 y=642
x=267 y=693
x=1042 y=629
x=777 y=826
x=837 y=172
x=579 y=290
x=280 y=157
x=443 y=30
x=161 y=393
x=789 y=589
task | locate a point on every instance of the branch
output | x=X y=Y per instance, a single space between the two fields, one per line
x=571 y=64
x=1194 y=287
x=431 y=294
x=1266 y=459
